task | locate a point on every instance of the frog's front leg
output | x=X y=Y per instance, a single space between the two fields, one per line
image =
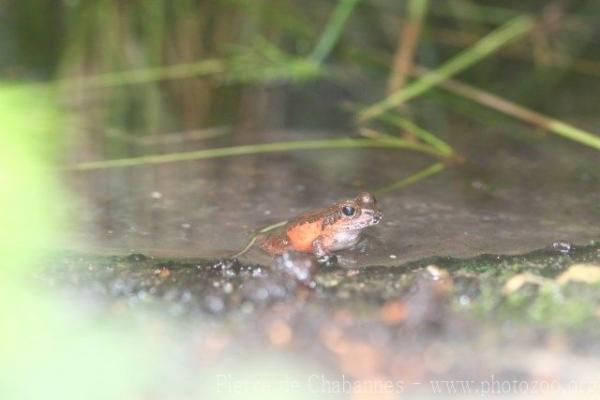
x=323 y=256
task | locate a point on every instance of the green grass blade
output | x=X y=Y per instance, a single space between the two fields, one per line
x=431 y=170
x=483 y=48
x=254 y=149
x=574 y=133
x=254 y=237
x=421 y=133
x=518 y=111
x=147 y=75
x=333 y=30
x=474 y=12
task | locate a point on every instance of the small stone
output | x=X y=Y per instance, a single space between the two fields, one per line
x=562 y=246
x=215 y=304
x=393 y=312
x=280 y=334
x=164 y=273
x=227 y=288
x=437 y=273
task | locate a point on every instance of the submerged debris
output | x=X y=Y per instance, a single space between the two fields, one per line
x=562 y=246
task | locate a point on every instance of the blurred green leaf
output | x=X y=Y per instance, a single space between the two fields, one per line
x=28 y=194
x=47 y=349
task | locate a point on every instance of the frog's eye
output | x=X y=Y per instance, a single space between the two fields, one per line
x=348 y=211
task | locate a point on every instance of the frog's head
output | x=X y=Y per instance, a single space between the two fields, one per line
x=358 y=213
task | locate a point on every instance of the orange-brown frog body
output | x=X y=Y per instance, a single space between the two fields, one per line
x=324 y=231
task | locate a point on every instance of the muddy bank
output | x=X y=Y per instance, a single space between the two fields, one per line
x=429 y=319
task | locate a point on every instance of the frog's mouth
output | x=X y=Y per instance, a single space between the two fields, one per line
x=375 y=216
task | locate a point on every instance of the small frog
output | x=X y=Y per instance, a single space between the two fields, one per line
x=326 y=230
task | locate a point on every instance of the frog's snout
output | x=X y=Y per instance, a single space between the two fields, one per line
x=377 y=217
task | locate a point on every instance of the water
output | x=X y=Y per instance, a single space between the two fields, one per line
x=509 y=198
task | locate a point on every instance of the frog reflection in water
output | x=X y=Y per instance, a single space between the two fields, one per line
x=323 y=231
